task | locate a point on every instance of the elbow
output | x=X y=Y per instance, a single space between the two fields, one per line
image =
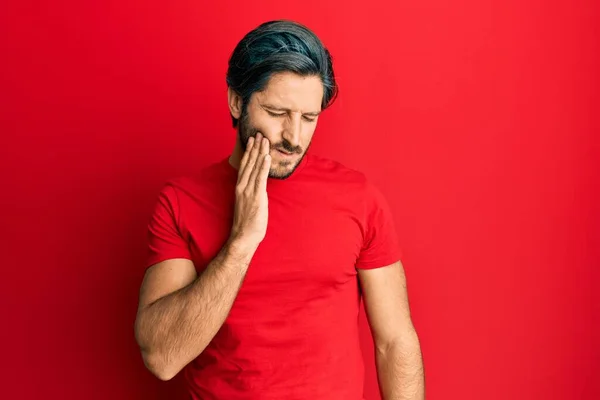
x=154 y=361
x=407 y=343
x=156 y=364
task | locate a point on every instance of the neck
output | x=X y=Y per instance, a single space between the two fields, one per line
x=236 y=156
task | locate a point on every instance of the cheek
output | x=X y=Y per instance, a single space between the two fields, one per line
x=308 y=133
x=272 y=129
x=269 y=127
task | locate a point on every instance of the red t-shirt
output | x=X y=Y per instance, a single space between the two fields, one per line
x=292 y=332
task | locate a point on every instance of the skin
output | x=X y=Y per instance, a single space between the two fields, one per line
x=180 y=312
x=286 y=113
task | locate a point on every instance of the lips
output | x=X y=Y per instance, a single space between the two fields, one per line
x=284 y=152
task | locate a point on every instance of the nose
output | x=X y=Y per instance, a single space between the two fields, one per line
x=293 y=130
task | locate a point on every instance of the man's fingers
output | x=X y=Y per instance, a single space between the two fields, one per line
x=243 y=181
x=264 y=150
x=261 y=182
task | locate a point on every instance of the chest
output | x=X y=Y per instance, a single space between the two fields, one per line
x=309 y=241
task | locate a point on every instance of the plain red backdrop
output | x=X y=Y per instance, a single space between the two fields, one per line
x=477 y=119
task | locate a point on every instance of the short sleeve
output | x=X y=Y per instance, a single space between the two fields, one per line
x=164 y=236
x=380 y=246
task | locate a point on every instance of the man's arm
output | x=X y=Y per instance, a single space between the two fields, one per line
x=179 y=312
x=397 y=350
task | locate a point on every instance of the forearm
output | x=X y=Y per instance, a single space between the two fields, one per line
x=175 y=329
x=400 y=369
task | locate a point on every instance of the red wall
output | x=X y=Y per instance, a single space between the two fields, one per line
x=477 y=119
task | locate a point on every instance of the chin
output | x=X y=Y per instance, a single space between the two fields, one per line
x=282 y=171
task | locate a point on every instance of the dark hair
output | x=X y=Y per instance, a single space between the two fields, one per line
x=278 y=46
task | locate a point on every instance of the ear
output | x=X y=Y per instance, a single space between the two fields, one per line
x=235 y=103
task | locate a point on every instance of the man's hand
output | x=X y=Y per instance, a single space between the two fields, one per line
x=180 y=312
x=251 y=201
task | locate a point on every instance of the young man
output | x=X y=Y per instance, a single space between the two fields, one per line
x=258 y=263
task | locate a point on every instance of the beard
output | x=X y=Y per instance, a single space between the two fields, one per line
x=281 y=169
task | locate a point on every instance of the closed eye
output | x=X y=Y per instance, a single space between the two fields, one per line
x=273 y=114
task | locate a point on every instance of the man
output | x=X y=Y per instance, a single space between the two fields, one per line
x=258 y=262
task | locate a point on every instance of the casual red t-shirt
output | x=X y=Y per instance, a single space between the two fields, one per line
x=292 y=332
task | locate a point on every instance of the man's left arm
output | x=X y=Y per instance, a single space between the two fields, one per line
x=397 y=349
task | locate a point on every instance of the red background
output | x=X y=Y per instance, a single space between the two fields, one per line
x=477 y=119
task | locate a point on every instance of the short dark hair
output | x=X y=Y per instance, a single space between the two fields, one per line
x=278 y=46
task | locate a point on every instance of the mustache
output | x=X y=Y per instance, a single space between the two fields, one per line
x=287 y=148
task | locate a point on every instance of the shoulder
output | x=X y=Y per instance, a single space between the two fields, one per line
x=336 y=171
x=351 y=183
x=189 y=196
x=207 y=178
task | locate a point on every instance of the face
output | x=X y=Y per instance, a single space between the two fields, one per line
x=286 y=113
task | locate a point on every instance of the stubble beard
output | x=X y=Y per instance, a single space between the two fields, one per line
x=282 y=171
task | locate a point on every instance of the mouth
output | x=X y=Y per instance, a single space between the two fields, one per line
x=284 y=153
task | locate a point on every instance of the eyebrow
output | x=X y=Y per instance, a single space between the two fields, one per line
x=275 y=108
